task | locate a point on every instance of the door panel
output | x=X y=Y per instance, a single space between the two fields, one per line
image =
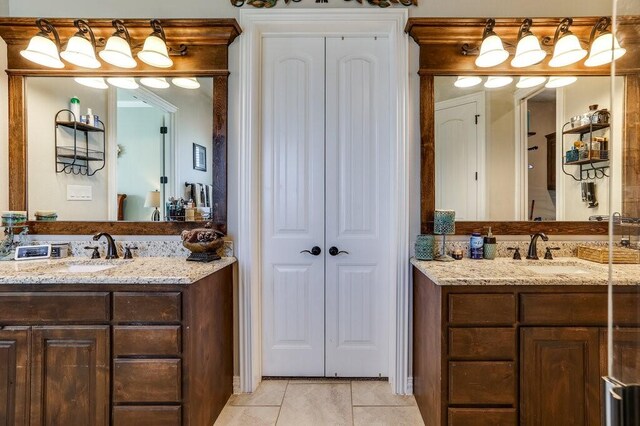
x=358 y=149
x=70 y=377
x=14 y=370
x=293 y=206
x=456 y=147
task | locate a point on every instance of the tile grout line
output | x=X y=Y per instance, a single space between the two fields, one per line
x=282 y=402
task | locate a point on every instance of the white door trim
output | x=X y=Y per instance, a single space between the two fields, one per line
x=257 y=24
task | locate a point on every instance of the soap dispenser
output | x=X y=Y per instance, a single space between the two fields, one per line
x=490 y=246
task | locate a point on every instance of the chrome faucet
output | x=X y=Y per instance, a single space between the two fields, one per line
x=533 y=245
x=112 y=251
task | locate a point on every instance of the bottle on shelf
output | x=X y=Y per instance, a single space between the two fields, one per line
x=74 y=107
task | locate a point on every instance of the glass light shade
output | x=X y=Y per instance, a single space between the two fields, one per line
x=467 y=81
x=80 y=52
x=556 y=82
x=444 y=222
x=152 y=199
x=93 y=82
x=186 y=82
x=499 y=81
x=528 y=52
x=604 y=49
x=492 y=52
x=567 y=51
x=527 y=82
x=117 y=52
x=43 y=51
x=155 y=82
x=155 y=53
x=123 y=82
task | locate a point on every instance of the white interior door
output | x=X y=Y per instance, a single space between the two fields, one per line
x=326 y=314
x=293 y=206
x=357 y=207
x=457 y=161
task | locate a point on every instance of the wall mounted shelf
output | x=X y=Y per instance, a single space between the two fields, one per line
x=596 y=162
x=78 y=158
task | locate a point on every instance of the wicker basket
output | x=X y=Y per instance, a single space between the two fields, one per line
x=601 y=254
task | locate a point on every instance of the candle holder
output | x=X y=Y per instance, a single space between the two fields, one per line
x=444 y=223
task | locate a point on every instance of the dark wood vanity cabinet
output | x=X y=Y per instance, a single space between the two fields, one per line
x=515 y=355
x=121 y=355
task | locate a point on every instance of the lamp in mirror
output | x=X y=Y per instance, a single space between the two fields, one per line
x=495 y=82
x=527 y=82
x=528 y=50
x=155 y=51
x=567 y=49
x=81 y=51
x=93 y=82
x=117 y=51
x=557 y=82
x=186 y=82
x=467 y=81
x=123 y=82
x=604 y=48
x=155 y=82
x=153 y=200
x=444 y=223
x=41 y=49
x=492 y=51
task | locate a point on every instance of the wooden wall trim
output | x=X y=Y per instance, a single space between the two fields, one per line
x=631 y=149
x=427 y=153
x=113 y=228
x=219 y=152
x=17 y=144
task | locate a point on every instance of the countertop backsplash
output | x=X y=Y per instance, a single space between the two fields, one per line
x=567 y=248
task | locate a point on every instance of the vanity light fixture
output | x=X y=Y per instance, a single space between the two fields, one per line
x=117 y=51
x=155 y=51
x=528 y=50
x=557 y=82
x=41 y=49
x=492 y=51
x=467 y=81
x=155 y=82
x=81 y=51
x=605 y=48
x=123 y=82
x=567 y=49
x=528 y=82
x=93 y=82
x=186 y=82
x=497 y=81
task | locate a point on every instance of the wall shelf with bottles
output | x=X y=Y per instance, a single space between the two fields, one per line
x=592 y=157
x=79 y=159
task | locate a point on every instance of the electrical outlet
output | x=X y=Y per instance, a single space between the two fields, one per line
x=79 y=193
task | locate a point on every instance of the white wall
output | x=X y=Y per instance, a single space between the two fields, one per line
x=47 y=190
x=542 y=121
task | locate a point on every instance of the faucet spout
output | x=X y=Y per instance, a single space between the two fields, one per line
x=112 y=251
x=533 y=245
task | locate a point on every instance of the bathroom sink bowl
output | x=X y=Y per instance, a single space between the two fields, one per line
x=556 y=269
x=84 y=268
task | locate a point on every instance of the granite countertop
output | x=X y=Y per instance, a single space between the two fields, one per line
x=140 y=270
x=505 y=271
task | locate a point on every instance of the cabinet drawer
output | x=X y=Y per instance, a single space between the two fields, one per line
x=146 y=340
x=43 y=307
x=146 y=307
x=482 y=309
x=482 y=383
x=146 y=380
x=482 y=343
x=482 y=417
x=151 y=415
x=563 y=309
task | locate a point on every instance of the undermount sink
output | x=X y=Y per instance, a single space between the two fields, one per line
x=556 y=269
x=87 y=267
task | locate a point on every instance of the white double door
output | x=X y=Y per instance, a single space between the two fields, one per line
x=326 y=155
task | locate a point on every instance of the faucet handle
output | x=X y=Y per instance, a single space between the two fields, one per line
x=516 y=252
x=96 y=252
x=548 y=255
x=127 y=251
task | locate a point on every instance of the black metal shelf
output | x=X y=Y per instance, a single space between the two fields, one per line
x=77 y=158
x=83 y=127
x=588 y=168
x=586 y=128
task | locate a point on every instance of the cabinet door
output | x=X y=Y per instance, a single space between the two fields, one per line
x=559 y=376
x=70 y=376
x=14 y=350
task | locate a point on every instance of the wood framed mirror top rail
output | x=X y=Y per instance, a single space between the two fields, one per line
x=198 y=49
x=449 y=48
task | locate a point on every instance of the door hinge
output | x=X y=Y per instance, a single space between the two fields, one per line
x=163 y=130
x=476 y=175
x=477 y=116
x=164 y=179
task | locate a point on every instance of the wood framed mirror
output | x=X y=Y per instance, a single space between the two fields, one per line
x=201 y=47
x=442 y=43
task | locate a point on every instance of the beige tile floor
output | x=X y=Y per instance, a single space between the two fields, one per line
x=320 y=402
